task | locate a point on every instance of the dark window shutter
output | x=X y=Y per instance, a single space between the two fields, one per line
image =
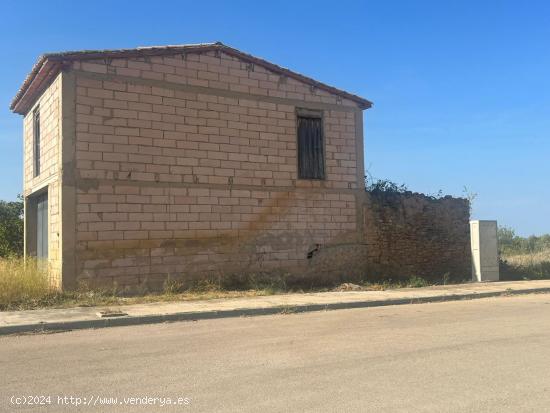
x=36 y=139
x=311 y=162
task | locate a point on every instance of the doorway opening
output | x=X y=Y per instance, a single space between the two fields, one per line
x=37 y=225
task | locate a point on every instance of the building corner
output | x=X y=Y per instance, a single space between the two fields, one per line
x=68 y=180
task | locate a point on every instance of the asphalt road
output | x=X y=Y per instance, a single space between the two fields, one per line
x=488 y=355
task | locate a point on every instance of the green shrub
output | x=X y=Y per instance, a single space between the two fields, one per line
x=512 y=244
x=11 y=228
x=417 y=282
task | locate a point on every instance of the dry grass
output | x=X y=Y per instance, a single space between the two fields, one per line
x=25 y=286
x=22 y=281
x=93 y=298
x=390 y=284
x=534 y=265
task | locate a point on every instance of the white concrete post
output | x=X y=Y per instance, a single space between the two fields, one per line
x=484 y=245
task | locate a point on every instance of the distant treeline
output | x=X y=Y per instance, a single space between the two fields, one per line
x=510 y=243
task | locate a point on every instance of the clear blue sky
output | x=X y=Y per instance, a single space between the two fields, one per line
x=461 y=89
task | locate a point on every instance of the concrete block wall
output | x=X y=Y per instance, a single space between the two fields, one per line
x=187 y=137
x=49 y=104
x=186 y=167
x=50 y=170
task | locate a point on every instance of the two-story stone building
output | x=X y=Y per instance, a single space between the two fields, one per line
x=188 y=161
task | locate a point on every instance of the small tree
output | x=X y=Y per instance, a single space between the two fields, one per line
x=11 y=228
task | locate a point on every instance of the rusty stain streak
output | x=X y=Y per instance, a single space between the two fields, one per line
x=227 y=238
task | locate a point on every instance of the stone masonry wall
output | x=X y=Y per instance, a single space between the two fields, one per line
x=411 y=234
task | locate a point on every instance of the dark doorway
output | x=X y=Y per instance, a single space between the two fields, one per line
x=42 y=226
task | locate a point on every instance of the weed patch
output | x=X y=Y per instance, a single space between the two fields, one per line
x=23 y=281
x=526 y=266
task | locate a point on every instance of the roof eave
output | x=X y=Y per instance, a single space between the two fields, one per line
x=43 y=71
x=48 y=65
x=363 y=103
